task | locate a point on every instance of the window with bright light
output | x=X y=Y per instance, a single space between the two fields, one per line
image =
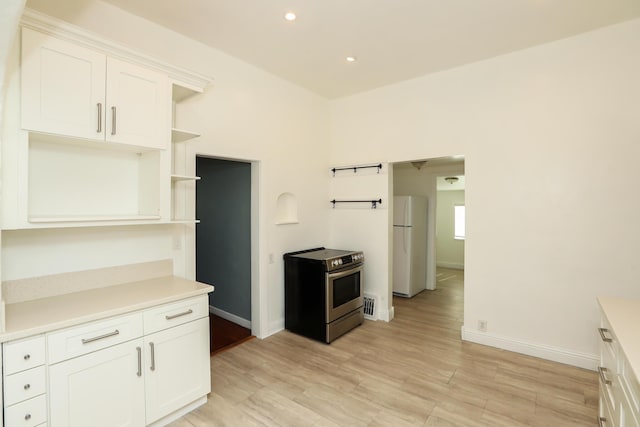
x=458 y=222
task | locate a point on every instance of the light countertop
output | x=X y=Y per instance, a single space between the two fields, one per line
x=624 y=317
x=38 y=316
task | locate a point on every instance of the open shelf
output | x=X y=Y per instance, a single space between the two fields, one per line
x=182 y=135
x=182 y=91
x=184 y=178
x=74 y=184
x=185 y=221
x=84 y=218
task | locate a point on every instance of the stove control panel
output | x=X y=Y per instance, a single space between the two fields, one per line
x=344 y=261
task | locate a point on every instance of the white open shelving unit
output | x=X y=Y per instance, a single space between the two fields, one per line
x=62 y=166
x=182 y=184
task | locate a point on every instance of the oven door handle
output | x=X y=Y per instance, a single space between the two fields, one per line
x=342 y=273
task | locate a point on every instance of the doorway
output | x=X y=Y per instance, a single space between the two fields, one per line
x=223 y=244
x=421 y=178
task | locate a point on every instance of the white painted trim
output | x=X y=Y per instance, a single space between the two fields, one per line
x=61 y=29
x=452 y=265
x=555 y=354
x=230 y=317
x=275 y=327
x=179 y=413
x=386 y=315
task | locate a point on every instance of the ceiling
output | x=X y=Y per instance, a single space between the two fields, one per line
x=393 y=40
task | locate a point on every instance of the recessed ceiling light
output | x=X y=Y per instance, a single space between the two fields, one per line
x=290 y=16
x=351 y=59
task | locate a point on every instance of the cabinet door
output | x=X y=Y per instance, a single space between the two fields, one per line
x=178 y=370
x=62 y=87
x=138 y=100
x=101 y=389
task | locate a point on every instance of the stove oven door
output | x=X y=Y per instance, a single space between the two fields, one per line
x=344 y=292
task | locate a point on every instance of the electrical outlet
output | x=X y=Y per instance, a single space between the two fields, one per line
x=177 y=243
x=271 y=260
x=482 y=325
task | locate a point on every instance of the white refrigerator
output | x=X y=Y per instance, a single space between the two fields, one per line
x=409 y=245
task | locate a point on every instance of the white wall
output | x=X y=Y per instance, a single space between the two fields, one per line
x=357 y=226
x=247 y=114
x=449 y=251
x=548 y=135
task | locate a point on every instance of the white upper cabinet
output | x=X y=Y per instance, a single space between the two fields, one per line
x=74 y=91
x=63 y=87
x=137 y=101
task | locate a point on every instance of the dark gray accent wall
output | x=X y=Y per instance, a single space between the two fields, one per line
x=223 y=236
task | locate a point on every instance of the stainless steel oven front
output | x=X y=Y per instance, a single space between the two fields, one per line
x=343 y=291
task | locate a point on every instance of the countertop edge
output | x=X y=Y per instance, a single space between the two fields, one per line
x=104 y=314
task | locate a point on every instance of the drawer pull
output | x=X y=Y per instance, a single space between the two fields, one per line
x=602 y=421
x=100 y=337
x=184 y=313
x=602 y=371
x=139 y=350
x=153 y=356
x=27 y=357
x=27 y=386
x=602 y=335
x=27 y=417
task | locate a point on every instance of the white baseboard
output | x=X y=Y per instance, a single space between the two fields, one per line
x=452 y=265
x=179 y=413
x=275 y=327
x=555 y=354
x=386 y=315
x=230 y=317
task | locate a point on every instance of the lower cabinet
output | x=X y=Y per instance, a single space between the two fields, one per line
x=101 y=389
x=178 y=369
x=127 y=371
x=619 y=403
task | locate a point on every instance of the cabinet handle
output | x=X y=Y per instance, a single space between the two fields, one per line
x=602 y=332
x=602 y=371
x=100 y=337
x=173 y=316
x=99 y=117
x=27 y=417
x=27 y=357
x=153 y=356
x=602 y=421
x=113 y=120
x=139 y=350
x=27 y=386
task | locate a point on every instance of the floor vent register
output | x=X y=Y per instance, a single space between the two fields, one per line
x=369 y=307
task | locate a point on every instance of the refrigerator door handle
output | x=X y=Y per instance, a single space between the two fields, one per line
x=405 y=230
x=406 y=212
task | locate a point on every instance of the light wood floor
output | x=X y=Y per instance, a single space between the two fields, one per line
x=413 y=371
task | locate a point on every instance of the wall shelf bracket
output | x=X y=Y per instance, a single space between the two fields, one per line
x=374 y=203
x=355 y=168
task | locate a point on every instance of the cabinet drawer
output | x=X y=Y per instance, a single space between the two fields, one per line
x=607 y=417
x=24 y=385
x=27 y=414
x=73 y=342
x=608 y=345
x=630 y=384
x=176 y=313
x=24 y=354
x=628 y=417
